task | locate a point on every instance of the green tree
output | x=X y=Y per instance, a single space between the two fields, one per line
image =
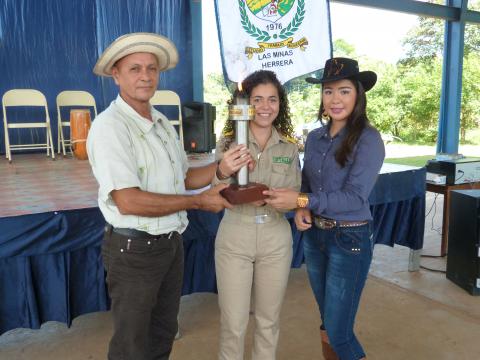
x=470 y=95
x=383 y=110
x=418 y=96
x=304 y=105
x=425 y=41
x=217 y=94
x=341 y=48
x=424 y=46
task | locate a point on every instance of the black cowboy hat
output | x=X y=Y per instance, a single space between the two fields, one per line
x=343 y=68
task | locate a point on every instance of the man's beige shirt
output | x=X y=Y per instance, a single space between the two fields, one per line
x=127 y=150
x=278 y=166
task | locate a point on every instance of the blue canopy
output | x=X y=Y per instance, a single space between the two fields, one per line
x=52 y=46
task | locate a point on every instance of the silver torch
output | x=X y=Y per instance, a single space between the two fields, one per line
x=243 y=191
x=241 y=112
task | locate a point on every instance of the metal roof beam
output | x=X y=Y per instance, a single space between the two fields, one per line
x=410 y=7
x=472 y=16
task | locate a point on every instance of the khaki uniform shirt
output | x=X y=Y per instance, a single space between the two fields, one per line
x=126 y=150
x=278 y=166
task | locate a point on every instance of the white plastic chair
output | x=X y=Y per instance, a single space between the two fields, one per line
x=26 y=97
x=71 y=98
x=170 y=98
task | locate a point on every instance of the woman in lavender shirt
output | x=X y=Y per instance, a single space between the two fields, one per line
x=341 y=164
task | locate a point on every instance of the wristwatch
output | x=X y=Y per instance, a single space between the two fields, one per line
x=302 y=200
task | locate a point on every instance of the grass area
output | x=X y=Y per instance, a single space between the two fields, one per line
x=412 y=161
x=415 y=160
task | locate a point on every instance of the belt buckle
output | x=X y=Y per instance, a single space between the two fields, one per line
x=261 y=219
x=325 y=224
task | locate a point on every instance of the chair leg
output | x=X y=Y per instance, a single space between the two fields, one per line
x=6 y=141
x=47 y=140
x=64 y=149
x=50 y=142
x=70 y=145
x=8 y=151
x=59 y=137
x=62 y=140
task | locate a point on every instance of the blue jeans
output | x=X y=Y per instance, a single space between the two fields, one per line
x=338 y=261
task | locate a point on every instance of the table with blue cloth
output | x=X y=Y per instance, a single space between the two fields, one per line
x=51 y=267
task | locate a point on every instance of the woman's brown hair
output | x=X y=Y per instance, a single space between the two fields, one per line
x=357 y=121
x=282 y=123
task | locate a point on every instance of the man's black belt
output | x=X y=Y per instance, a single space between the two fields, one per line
x=133 y=233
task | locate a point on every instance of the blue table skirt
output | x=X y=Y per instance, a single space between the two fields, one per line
x=51 y=268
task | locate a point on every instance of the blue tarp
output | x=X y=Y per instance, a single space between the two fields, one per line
x=52 y=45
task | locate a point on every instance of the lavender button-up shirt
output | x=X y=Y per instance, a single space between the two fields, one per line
x=335 y=192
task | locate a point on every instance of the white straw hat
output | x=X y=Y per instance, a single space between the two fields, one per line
x=160 y=46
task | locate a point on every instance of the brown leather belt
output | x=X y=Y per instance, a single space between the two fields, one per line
x=323 y=223
x=133 y=233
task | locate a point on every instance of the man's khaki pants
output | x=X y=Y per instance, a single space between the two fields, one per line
x=251 y=256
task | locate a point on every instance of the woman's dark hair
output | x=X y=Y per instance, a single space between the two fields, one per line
x=282 y=123
x=356 y=122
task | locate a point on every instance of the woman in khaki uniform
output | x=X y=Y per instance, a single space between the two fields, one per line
x=253 y=248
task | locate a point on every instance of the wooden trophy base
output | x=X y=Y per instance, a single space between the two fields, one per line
x=236 y=194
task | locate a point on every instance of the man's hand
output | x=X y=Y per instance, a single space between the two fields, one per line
x=211 y=200
x=303 y=219
x=234 y=159
x=281 y=198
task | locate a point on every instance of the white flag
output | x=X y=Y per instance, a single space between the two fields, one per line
x=289 y=37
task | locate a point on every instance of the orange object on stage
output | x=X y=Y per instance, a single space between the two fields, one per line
x=79 y=126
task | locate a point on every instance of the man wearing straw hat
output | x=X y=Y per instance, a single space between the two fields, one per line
x=142 y=172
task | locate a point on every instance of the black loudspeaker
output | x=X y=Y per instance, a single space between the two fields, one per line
x=463 y=260
x=198 y=127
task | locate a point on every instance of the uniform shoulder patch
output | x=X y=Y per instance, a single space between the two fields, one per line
x=290 y=139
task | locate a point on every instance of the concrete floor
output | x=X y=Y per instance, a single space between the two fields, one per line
x=403 y=315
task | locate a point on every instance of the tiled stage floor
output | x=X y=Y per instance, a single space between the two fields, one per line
x=34 y=183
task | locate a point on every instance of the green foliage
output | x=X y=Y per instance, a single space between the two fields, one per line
x=341 y=48
x=304 y=105
x=217 y=94
x=425 y=41
x=419 y=94
x=470 y=95
x=382 y=108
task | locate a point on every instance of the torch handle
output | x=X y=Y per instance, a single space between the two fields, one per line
x=241 y=137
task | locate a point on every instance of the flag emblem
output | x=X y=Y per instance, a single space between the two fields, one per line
x=272 y=13
x=270 y=10
x=290 y=37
